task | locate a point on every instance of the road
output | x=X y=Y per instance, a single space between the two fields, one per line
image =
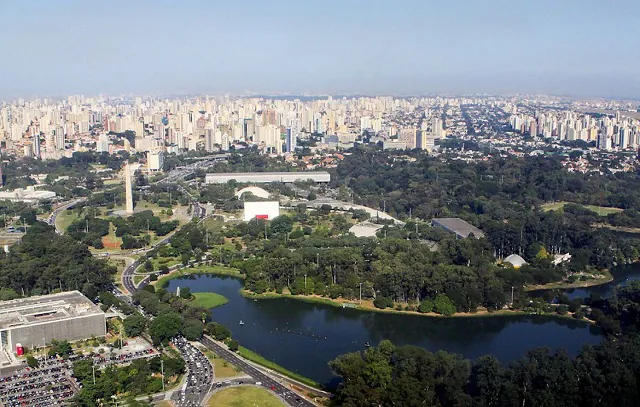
x=264 y=380
x=199 y=377
x=199 y=381
x=54 y=215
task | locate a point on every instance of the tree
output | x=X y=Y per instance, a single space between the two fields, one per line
x=134 y=325
x=281 y=225
x=185 y=292
x=443 y=305
x=62 y=348
x=425 y=306
x=192 y=329
x=32 y=362
x=383 y=302
x=233 y=345
x=165 y=326
x=218 y=331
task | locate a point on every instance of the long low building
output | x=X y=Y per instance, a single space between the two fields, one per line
x=457 y=226
x=36 y=321
x=265 y=177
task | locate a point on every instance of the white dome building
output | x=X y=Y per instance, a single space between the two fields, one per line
x=515 y=260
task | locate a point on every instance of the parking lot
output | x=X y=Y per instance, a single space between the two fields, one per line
x=51 y=383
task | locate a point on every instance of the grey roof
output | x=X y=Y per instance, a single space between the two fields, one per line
x=458 y=226
x=45 y=308
x=295 y=173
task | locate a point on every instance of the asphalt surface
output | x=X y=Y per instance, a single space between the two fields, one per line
x=197 y=211
x=199 y=376
x=52 y=382
x=52 y=218
x=261 y=379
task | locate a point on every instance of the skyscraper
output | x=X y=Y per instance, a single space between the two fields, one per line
x=36 y=145
x=291 y=140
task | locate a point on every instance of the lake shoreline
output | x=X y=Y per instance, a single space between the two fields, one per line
x=568 y=286
x=339 y=304
x=222 y=271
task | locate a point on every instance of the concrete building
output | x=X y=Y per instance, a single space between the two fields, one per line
x=128 y=190
x=155 y=160
x=29 y=195
x=36 y=321
x=266 y=177
x=256 y=191
x=365 y=229
x=261 y=210
x=458 y=226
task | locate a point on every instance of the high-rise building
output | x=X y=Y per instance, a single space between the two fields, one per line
x=102 y=145
x=59 y=138
x=36 y=145
x=291 y=140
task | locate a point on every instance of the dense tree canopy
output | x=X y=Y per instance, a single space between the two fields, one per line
x=45 y=261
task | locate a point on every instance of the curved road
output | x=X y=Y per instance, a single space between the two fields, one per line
x=266 y=381
x=63 y=207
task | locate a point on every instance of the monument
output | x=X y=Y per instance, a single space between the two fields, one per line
x=128 y=190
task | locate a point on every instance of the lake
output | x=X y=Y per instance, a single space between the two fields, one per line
x=304 y=337
x=622 y=275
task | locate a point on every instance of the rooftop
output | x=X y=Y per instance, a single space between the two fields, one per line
x=45 y=308
x=458 y=226
x=225 y=174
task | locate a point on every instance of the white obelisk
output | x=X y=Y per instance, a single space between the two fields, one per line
x=128 y=190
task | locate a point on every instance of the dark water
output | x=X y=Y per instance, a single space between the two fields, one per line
x=304 y=337
x=622 y=275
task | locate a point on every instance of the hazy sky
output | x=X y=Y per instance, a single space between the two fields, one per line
x=573 y=47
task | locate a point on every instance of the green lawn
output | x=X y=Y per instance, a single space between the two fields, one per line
x=245 y=396
x=65 y=219
x=207 y=300
x=254 y=357
x=164 y=261
x=600 y=210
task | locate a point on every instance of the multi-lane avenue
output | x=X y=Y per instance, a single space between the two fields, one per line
x=263 y=379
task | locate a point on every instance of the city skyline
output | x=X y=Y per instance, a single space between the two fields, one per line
x=579 y=49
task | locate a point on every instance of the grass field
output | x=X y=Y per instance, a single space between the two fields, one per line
x=207 y=300
x=164 y=261
x=223 y=369
x=246 y=396
x=254 y=357
x=600 y=210
x=64 y=219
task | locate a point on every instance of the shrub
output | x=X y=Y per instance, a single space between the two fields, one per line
x=383 y=302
